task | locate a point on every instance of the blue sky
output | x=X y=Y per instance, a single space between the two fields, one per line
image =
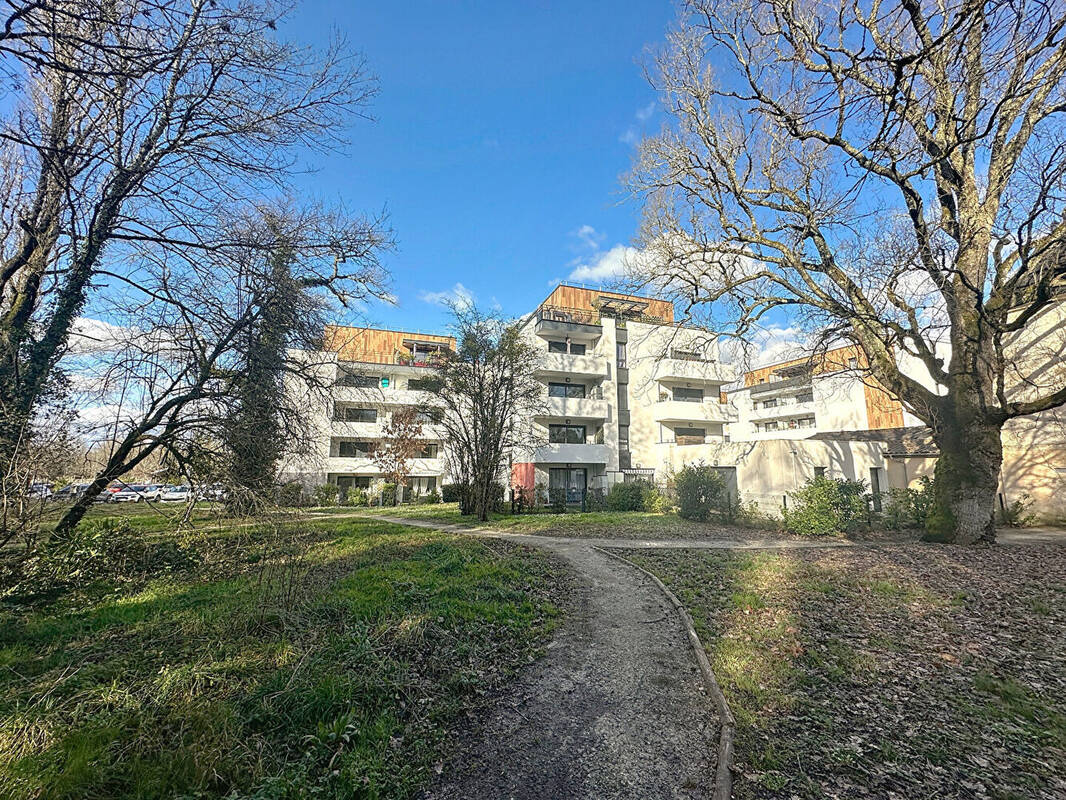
x=501 y=131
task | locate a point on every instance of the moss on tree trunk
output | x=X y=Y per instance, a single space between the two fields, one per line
x=965 y=484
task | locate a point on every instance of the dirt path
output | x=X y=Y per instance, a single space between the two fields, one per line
x=615 y=709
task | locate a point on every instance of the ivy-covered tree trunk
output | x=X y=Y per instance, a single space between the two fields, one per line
x=966 y=480
x=253 y=433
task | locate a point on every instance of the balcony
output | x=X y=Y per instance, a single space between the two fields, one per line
x=684 y=369
x=791 y=385
x=575 y=323
x=365 y=466
x=388 y=396
x=572 y=454
x=574 y=408
x=784 y=411
x=686 y=411
x=342 y=429
x=573 y=365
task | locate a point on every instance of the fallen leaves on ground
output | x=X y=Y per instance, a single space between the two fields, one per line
x=912 y=671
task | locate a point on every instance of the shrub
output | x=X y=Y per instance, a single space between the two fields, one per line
x=291 y=495
x=825 y=506
x=451 y=492
x=628 y=496
x=429 y=498
x=388 y=494
x=1017 y=514
x=326 y=494
x=700 y=490
x=557 y=500
x=597 y=500
x=908 y=508
x=657 y=501
x=357 y=497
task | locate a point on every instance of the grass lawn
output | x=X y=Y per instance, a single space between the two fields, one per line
x=616 y=524
x=329 y=660
x=895 y=672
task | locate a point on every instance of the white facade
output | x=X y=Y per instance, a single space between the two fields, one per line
x=349 y=420
x=799 y=406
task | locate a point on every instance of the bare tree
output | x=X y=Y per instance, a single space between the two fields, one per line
x=136 y=125
x=489 y=393
x=400 y=443
x=177 y=367
x=892 y=172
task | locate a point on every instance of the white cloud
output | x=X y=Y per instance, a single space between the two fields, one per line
x=633 y=133
x=589 y=237
x=764 y=346
x=458 y=295
x=95 y=336
x=605 y=265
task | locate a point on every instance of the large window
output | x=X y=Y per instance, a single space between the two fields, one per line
x=429 y=416
x=360 y=381
x=429 y=451
x=574 y=348
x=349 y=449
x=423 y=384
x=566 y=434
x=566 y=390
x=688 y=395
x=570 y=480
x=352 y=414
x=690 y=435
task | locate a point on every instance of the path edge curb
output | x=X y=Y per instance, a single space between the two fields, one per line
x=723 y=778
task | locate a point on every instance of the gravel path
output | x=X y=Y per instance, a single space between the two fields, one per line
x=615 y=709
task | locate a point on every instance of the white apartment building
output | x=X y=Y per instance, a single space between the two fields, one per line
x=631 y=394
x=799 y=398
x=373 y=372
x=624 y=387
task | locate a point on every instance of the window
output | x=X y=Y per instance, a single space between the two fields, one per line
x=620 y=353
x=566 y=347
x=361 y=481
x=819 y=472
x=571 y=480
x=769 y=403
x=429 y=416
x=690 y=435
x=352 y=414
x=566 y=390
x=566 y=434
x=770 y=426
x=349 y=449
x=688 y=395
x=429 y=451
x=423 y=384
x=685 y=355
x=853 y=363
x=805 y=398
x=360 y=381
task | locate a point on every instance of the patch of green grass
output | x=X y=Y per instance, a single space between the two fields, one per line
x=334 y=666
x=614 y=524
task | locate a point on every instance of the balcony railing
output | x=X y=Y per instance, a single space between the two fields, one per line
x=399 y=359
x=577 y=316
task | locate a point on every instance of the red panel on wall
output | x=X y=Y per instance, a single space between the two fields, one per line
x=524 y=475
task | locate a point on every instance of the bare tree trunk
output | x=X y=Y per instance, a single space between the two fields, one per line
x=967 y=478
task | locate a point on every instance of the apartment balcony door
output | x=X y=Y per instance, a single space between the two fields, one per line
x=573 y=480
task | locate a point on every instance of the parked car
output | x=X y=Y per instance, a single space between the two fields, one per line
x=128 y=493
x=176 y=494
x=154 y=491
x=40 y=491
x=71 y=492
x=216 y=492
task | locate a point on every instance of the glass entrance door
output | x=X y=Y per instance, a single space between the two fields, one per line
x=571 y=479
